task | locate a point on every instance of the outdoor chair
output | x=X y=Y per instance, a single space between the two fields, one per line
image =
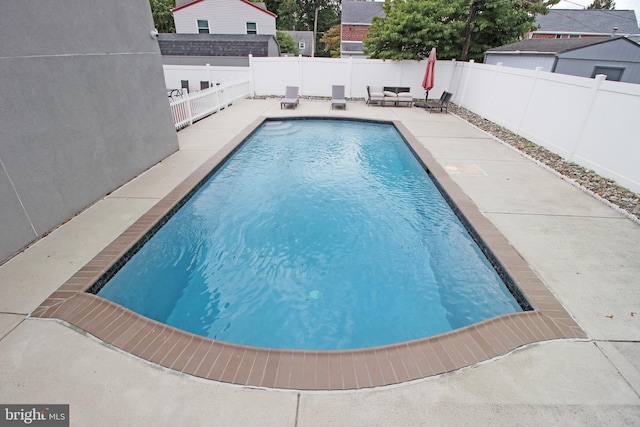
x=441 y=104
x=337 y=97
x=374 y=94
x=290 y=97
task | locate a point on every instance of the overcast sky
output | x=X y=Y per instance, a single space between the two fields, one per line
x=581 y=4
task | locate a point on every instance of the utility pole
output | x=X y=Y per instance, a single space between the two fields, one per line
x=475 y=5
x=315 y=30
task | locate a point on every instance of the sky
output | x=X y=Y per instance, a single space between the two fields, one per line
x=581 y=4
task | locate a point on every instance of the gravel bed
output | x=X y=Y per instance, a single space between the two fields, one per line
x=590 y=181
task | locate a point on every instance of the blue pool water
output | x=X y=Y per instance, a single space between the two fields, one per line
x=319 y=235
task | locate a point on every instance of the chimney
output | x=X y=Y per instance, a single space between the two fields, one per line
x=615 y=30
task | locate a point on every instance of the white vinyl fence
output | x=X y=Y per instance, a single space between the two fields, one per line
x=191 y=107
x=592 y=122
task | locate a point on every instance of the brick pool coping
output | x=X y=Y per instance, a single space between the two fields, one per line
x=306 y=369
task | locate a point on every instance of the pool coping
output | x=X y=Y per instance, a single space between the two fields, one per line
x=306 y=369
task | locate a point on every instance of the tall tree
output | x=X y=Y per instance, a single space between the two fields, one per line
x=412 y=27
x=331 y=41
x=287 y=43
x=602 y=4
x=308 y=15
x=162 y=16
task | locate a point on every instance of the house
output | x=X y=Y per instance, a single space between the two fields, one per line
x=215 y=49
x=617 y=57
x=355 y=22
x=304 y=41
x=223 y=17
x=219 y=33
x=576 y=23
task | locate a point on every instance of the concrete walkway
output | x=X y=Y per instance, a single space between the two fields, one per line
x=585 y=252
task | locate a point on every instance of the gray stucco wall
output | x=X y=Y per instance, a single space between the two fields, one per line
x=83 y=108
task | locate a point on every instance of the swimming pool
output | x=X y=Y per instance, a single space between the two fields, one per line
x=315 y=235
x=162 y=345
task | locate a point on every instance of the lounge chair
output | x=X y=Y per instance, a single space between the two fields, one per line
x=374 y=94
x=337 y=97
x=442 y=104
x=290 y=97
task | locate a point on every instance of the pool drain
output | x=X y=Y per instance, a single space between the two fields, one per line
x=315 y=294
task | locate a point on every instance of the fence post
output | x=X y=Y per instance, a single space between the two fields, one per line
x=529 y=96
x=466 y=81
x=595 y=87
x=301 y=74
x=487 y=107
x=253 y=78
x=350 y=76
x=187 y=99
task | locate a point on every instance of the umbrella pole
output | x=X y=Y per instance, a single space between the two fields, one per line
x=426 y=99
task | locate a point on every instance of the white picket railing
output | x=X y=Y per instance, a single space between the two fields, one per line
x=191 y=107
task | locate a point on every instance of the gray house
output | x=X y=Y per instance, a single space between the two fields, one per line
x=576 y=23
x=617 y=57
x=304 y=41
x=215 y=49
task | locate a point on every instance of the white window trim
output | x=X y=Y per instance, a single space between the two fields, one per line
x=246 y=27
x=198 y=25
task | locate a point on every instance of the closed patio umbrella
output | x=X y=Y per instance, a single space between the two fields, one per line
x=429 y=77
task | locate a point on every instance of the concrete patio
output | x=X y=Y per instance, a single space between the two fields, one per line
x=585 y=252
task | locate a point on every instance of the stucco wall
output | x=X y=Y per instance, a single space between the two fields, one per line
x=83 y=109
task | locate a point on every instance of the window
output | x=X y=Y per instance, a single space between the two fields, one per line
x=184 y=84
x=301 y=45
x=558 y=36
x=204 y=85
x=574 y=36
x=612 y=73
x=203 y=26
x=252 y=28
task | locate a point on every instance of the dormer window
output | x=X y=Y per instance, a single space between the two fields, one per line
x=301 y=45
x=203 y=26
x=252 y=28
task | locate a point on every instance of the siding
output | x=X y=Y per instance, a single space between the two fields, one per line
x=529 y=62
x=617 y=53
x=225 y=17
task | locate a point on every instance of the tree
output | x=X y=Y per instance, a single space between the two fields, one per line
x=602 y=4
x=286 y=42
x=162 y=16
x=500 y=23
x=412 y=27
x=309 y=15
x=289 y=14
x=331 y=41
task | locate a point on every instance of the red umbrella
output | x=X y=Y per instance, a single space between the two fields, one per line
x=428 y=81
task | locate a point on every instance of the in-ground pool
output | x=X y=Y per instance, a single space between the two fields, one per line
x=315 y=234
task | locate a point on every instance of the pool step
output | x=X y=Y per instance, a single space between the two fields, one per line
x=274 y=128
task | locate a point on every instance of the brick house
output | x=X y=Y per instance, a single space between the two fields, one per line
x=577 y=23
x=355 y=23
